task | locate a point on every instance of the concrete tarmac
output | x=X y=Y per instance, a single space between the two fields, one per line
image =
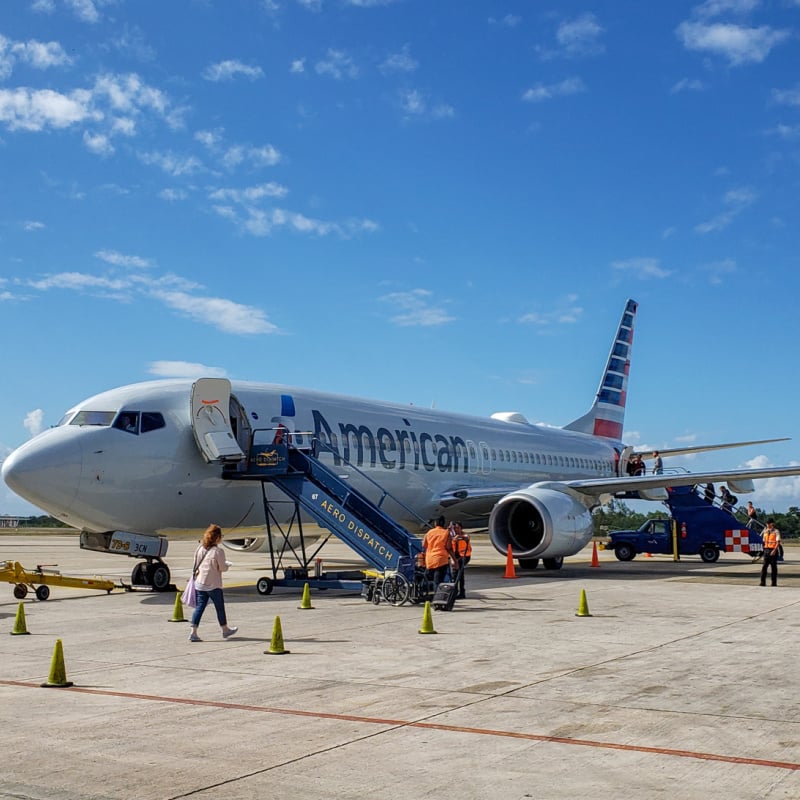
x=680 y=684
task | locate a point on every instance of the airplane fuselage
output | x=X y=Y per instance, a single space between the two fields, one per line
x=100 y=477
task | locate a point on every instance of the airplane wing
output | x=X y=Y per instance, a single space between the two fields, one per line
x=478 y=501
x=739 y=480
x=703 y=448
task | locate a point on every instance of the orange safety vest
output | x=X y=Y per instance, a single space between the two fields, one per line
x=770 y=538
x=462 y=547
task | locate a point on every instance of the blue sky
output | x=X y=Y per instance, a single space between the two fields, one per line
x=424 y=201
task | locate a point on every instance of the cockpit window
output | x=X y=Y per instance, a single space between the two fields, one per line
x=100 y=418
x=152 y=421
x=128 y=421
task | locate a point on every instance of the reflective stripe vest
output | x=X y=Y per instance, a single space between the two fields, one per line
x=770 y=539
x=462 y=547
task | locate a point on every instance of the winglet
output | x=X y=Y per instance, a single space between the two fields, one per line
x=606 y=416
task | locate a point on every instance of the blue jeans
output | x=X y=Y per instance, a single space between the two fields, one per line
x=217 y=598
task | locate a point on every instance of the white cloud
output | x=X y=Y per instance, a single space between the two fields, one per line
x=567 y=314
x=79 y=281
x=413 y=102
x=399 y=62
x=713 y=8
x=36 y=109
x=739 y=45
x=415 y=308
x=228 y=70
x=98 y=143
x=41 y=55
x=338 y=65
x=88 y=10
x=225 y=315
x=507 y=21
x=121 y=260
x=251 y=194
x=297 y=66
x=31 y=225
x=172 y=194
x=232 y=156
x=541 y=91
x=688 y=85
x=771 y=491
x=34 y=421
x=172 y=164
x=580 y=36
x=737 y=201
x=787 y=97
x=642 y=268
x=368 y=3
x=719 y=270
x=185 y=369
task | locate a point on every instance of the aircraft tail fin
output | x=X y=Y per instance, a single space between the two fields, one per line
x=607 y=414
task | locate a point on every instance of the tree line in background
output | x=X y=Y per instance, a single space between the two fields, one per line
x=617 y=516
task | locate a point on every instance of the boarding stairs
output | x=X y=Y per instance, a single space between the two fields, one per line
x=334 y=504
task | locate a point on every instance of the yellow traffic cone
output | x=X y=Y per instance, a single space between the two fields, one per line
x=427 y=619
x=58 y=672
x=177 y=611
x=19 y=622
x=276 y=647
x=583 y=606
x=306 y=601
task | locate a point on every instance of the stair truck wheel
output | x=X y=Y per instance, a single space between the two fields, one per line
x=42 y=592
x=264 y=586
x=624 y=552
x=396 y=589
x=20 y=591
x=709 y=553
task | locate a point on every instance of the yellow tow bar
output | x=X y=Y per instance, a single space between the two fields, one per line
x=41 y=579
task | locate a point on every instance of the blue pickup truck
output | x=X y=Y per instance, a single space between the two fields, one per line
x=701 y=529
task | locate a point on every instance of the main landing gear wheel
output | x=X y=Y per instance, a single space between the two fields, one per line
x=42 y=592
x=20 y=591
x=553 y=563
x=264 y=586
x=396 y=590
x=709 y=553
x=159 y=576
x=154 y=574
x=624 y=552
x=529 y=563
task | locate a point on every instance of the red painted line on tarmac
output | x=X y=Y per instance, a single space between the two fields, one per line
x=431 y=726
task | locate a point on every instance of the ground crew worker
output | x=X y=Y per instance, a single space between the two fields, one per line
x=772 y=545
x=438 y=551
x=462 y=552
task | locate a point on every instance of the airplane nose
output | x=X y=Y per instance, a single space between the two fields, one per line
x=45 y=471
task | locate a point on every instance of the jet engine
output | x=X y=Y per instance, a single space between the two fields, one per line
x=540 y=522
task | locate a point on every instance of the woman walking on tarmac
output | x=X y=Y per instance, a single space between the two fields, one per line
x=209 y=564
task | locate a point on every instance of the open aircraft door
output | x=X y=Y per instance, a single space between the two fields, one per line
x=211 y=421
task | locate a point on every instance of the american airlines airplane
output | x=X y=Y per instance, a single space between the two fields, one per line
x=157 y=459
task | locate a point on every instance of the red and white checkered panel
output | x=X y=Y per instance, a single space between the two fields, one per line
x=737 y=541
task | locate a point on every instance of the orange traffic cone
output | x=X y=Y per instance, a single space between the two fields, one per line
x=595 y=559
x=510 y=571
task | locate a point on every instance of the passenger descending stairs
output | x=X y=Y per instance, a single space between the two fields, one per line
x=336 y=505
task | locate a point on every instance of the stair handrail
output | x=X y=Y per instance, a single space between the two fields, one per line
x=317 y=444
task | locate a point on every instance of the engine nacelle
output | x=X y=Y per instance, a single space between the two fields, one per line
x=540 y=522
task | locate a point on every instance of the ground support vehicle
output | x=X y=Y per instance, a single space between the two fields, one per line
x=694 y=527
x=43 y=577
